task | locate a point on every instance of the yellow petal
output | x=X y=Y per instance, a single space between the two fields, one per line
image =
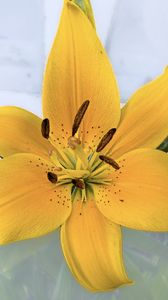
x=144 y=121
x=20 y=131
x=138 y=196
x=92 y=246
x=78 y=69
x=30 y=204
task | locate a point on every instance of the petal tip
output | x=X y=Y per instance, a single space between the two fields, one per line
x=166 y=70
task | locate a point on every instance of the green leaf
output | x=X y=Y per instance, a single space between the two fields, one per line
x=164 y=145
x=85 y=5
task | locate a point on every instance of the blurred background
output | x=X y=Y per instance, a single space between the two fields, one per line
x=135 y=35
x=133 y=32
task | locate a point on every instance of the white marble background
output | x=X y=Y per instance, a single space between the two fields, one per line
x=135 y=34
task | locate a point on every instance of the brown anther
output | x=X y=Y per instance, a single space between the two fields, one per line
x=73 y=142
x=105 y=139
x=52 y=177
x=79 y=116
x=45 y=128
x=110 y=161
x=1 y=157
x=79 y=183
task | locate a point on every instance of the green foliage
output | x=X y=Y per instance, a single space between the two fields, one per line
x=164 y=145
x=85 y=5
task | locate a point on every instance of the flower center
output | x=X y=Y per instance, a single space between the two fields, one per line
x=77 y=167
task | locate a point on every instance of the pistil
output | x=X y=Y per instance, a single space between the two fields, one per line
x=75 y=145
x=73 y=164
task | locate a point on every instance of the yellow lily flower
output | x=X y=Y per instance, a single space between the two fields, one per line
x=85 y=167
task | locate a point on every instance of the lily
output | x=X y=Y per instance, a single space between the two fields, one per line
x=87 y=167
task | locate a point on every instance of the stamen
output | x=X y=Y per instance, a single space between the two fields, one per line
x=45 y=128
x=52 y=177
x=75 y=144
x=105 y=139
x=1 y=157
x=79 y=116
x=110 y=161
x=79 y=183
x=61 y=159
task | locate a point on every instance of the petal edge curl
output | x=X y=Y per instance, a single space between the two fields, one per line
x=92 y=247
x=144 y=119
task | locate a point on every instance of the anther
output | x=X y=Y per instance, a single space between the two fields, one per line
x=110 y=161
x=106 y=139
x=52 y=177
x=79 y=116
x=45 y=128
x=79 y=183
x=1 y=157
